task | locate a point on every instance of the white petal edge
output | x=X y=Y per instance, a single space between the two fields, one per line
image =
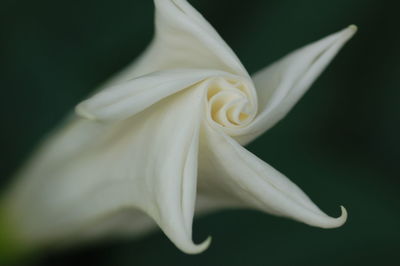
x=281 y=85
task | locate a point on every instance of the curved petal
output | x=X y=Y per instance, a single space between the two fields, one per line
x=183 y=39
x=239 y=178
x=282 y=84
x=126 y=99
x=147 y=162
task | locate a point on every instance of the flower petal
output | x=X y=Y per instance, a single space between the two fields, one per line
x=147 y=162
x=231 y=174
x=282 y=84
x=126 y=99
x=183 y=39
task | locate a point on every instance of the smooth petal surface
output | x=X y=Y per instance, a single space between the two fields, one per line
x=146 y=162
x=234 y=177
x=282 y=84
x=126 y=99
x=183 y=39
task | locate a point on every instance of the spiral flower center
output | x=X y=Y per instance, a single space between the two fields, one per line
x=230 y=102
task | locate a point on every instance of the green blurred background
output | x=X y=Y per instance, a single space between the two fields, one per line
x=340 y=143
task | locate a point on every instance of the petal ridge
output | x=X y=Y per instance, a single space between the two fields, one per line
x=183 y=39
x=253 y=182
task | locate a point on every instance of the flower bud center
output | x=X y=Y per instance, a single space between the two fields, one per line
x=229 y=102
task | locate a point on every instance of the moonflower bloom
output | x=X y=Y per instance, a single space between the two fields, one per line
x=164 y=140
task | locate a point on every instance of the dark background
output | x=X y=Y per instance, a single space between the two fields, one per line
x=340 y=143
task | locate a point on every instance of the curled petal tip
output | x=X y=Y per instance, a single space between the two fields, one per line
x=343 y=216
x=327 y=222
x=339 y=221
x=197 y=248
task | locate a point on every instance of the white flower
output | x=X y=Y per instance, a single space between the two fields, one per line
x=164 y=140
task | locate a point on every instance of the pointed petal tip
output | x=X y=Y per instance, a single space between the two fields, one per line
x=351 y=30
x=197 y=248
